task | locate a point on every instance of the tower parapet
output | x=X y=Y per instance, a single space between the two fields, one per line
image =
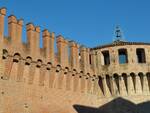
x=69 y=54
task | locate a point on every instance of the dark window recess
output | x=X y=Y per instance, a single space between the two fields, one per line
x=140 y=56
x=106 y=57
x=116 y=77
x=90 y=59
x=123 y=57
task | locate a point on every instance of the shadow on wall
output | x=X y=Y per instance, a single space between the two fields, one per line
x=118 y=105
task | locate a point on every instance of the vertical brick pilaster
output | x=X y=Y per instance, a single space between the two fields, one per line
x=60 y=79
x=37 y=41
x=73 y=54
x=12 y=29
x=42 y=76
x=8 y=67
x=52 y=76
x=88 y=60
x=20 y=70
x=66 y=53
x=145 y=85
x=68 y=80
x=31 y=73
x=31 y=38
x=61 y=50
x=138 y=85
x=82 y=82
x=122 y=86
x=2 y=16
x=48 y=44
x=130 y=85
x=98 y=91
x=105 y=87
x=93 y=61
x=83 y=59
x=19 y=31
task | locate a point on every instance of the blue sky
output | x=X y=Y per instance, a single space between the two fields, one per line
x=88 y=22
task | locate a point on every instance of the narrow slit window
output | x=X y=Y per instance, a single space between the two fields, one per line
x=90 y=59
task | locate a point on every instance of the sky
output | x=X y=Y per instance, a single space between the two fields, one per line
x=88 y=22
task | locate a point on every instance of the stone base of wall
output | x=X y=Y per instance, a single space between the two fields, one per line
x=19 y=97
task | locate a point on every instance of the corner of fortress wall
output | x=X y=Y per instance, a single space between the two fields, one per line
x=43 y=81
x=2 y=15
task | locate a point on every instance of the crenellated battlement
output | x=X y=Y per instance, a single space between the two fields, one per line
x=68 y=52
x=21 y=58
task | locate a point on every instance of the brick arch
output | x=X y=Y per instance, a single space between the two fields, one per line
x=81 y=71
x=148 y=73
x=39 y=63
x=39 y=60
x=74 y=72
x=5 y=53
x=74 y=69
x=66 y=70
x=140 y=73
x=58 y=68
x=17 y=54
x=88 y=74
x=28 y=60
x=16 y=57
x=49 y=65
x=94 y=75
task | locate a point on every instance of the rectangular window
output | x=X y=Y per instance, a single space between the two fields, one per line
x=106 y=57
x=123 y=57
x=140 y=55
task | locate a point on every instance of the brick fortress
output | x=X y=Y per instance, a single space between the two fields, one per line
x=40 y=80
